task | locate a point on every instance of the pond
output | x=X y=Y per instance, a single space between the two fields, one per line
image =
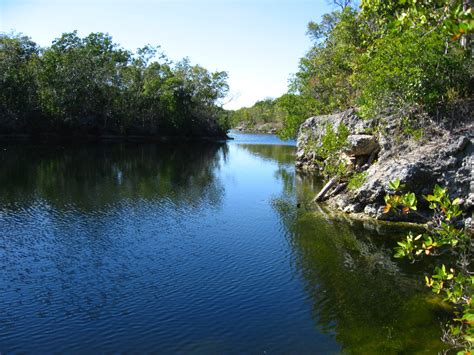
x=193 y=248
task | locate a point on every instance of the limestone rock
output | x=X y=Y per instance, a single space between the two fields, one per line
x=361 y=144
x=312 y=130
x=445 y=157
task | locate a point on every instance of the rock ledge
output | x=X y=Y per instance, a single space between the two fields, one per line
x=382 y=149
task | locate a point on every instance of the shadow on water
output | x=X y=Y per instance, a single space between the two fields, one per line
x=370 y=302
x=96 y=176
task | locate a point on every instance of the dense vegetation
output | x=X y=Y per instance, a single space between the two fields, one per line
x=93 y=86
x=384 y=57
x=264 y=111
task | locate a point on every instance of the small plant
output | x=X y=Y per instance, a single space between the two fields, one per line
x=442 y=238
x=412 y=132
x=399 y=202
x=332 y=143
x=357 y=180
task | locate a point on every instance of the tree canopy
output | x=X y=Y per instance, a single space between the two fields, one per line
x=91 y=85
x=383 y=57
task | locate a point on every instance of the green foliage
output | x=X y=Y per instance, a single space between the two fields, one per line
x=357 y=180
x=387 y=57
x=328 y=151
x=17 y=86
x=90 y=85
x=324 y=73
x=397 y=201
x=443 y=238
x=296 y=108
x=411 y=131
x=452 y=18
x=409 y=69
x=262 y=112
x=439 y=200
x=404 y=202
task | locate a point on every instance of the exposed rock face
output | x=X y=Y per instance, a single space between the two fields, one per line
x=361 y=144
x=312 y=130
x=443 y=157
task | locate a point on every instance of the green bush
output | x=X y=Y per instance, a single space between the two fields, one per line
x=357 y=180
x=444 y=238
x=329 y=151
x=408 y=69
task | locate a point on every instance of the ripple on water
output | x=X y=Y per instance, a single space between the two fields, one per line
x=151 y=248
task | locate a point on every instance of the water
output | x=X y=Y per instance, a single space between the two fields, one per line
x=196 y=248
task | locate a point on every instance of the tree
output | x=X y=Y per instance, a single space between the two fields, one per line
x=91 y=85
x=18 y=102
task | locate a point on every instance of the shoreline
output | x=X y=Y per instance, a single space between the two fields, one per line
x=54 y=138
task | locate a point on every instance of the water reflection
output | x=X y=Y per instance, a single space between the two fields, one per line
x=358 y=293
x=192 y=248
x=370 y=303
x=101 y=175
x=280 y=154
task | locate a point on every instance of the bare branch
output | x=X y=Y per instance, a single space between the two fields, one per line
x=342 y=3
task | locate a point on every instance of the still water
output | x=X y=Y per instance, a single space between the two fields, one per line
x=193 y=248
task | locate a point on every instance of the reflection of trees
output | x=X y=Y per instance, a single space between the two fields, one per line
x=97 y=175
x=85 y=229
x=355 y=288
x=281 y=154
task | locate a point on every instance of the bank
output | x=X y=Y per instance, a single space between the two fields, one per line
x=435 y=151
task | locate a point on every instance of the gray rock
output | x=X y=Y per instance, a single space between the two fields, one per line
x=361 y=144
x=312 y=130
x=469 y=226
x=444 y=158
x=373 y=210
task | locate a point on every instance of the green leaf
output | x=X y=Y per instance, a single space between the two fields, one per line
x=395 y=184
x=430 y=198
x=438 y=191
x=468 y=317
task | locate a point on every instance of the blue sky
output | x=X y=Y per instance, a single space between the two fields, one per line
x=257 y=42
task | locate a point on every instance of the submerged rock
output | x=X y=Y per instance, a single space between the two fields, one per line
x=444 y=156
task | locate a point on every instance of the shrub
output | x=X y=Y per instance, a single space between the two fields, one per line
x=410 y=68
x=357 y=180
x=443 y=237
x=328 y=152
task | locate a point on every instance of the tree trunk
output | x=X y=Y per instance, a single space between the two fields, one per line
x=466 y=38
x=322 y=194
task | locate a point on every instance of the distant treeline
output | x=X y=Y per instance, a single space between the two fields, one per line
x=92 y=86
x=264 y=111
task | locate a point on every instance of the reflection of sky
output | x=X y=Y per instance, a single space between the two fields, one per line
x=154 y=272
x=245 y=138
x=220 y=261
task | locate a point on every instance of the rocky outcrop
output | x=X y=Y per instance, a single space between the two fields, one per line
x=361 y=144
x=384 y=151
x=313 y=129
